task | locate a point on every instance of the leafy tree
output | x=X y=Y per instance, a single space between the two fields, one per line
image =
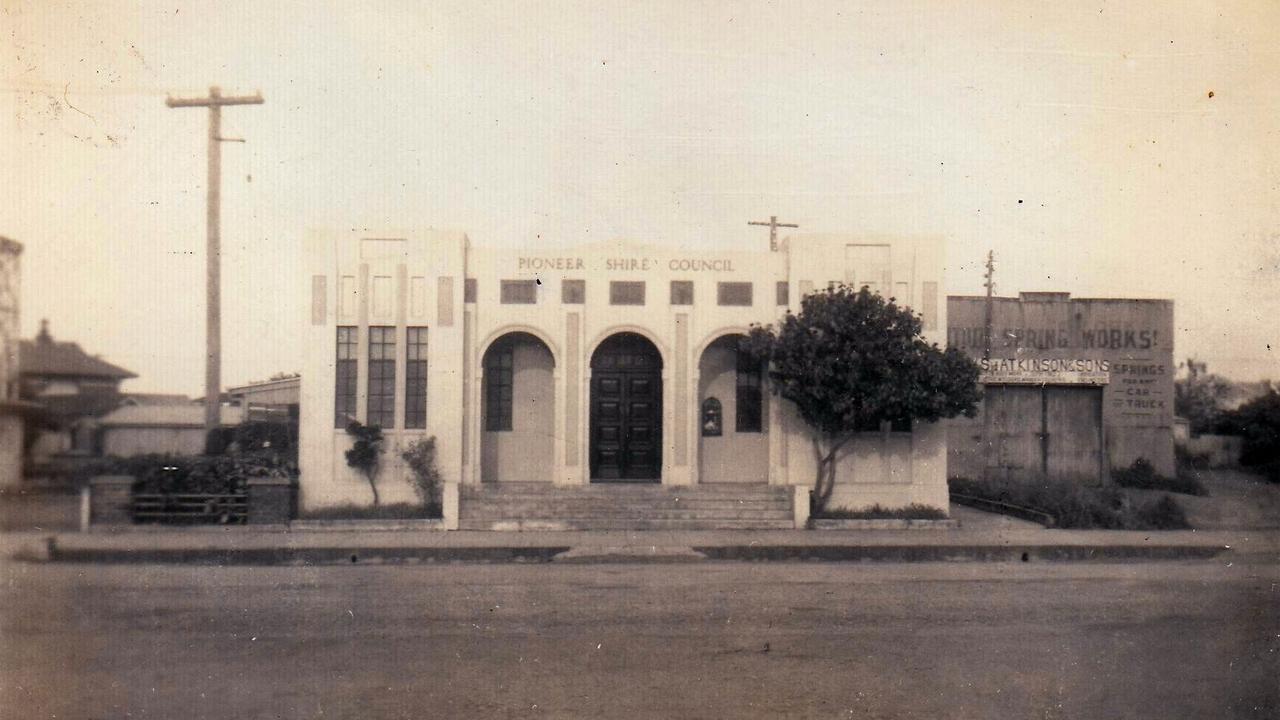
x=365 y=454
x=851 y=359
x=1200 y=396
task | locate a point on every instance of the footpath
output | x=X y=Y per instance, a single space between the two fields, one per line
x=280 y=545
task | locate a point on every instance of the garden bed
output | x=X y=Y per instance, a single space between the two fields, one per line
x=1074 y=506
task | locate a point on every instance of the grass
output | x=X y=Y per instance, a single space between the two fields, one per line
x=392 y=511
x=1080 y=507
x=914 y=511
x=1141 y=476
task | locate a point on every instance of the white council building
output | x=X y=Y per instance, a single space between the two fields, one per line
x=599 y=373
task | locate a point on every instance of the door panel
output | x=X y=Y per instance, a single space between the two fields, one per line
x=1012 y=414
x=626 y=411
x=1073 y=416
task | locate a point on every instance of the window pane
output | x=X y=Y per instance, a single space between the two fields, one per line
x=469 y=290
x=733 y=293
x=573 y=292
x=626 y=293
x=519 y=292
x=784 y=293
x=681 y=292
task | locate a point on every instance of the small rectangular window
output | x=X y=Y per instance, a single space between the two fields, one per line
x=498 y=388
x=344 y=410
x=382 y=377
x=784 y=293
x=733 y=293
x=681 y=292
x=749 y=398
x=469 y=290
x=415 y=380
x=519 y=292
x=626 y=292
x=573 y=292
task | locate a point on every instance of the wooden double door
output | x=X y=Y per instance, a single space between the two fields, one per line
x=1045 y=431
x=626 y=411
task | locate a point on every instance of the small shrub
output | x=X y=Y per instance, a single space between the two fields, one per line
x=420 y=456
x=914 y=511
x=1162 y=514
x=365 y=454
x=1142 y=476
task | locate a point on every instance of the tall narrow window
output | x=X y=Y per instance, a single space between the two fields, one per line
x=382 y=377
x=344 y=390
x=498 y=365
x=748 y=395
x=415 y=378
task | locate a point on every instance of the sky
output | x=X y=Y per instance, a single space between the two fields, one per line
x=1104 y=149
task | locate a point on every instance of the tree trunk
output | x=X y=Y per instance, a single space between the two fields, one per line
x=374 y=487
x=825 y=481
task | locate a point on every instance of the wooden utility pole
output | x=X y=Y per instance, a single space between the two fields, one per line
x=773 y=225
x=213 y=251
x=990 y=285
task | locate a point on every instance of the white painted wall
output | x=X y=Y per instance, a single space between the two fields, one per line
x=896 y=471
x=733 y=457
x=525 y=453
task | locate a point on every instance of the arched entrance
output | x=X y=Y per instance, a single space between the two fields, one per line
x=626 y=410
x=517 y=410
x=733 y=446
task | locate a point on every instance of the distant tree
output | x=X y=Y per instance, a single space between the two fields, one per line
x=851 y=359
x=1258 y=423
x=365 y=454
x=1200 y=396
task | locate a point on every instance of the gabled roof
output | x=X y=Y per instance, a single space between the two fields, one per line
x=46 y=356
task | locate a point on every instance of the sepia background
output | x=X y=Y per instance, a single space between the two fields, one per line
x=1102 y=149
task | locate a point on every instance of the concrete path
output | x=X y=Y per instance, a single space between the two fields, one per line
x=242 y=545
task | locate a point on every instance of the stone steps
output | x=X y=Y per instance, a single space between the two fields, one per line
x=623 y=524
x=537 y=506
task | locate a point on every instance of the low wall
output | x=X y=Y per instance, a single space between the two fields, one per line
x=271 y=501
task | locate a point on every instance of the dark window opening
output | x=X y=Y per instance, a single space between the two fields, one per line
x=749 y=398
x=415 y=379
x=733 y=293
x=626 y=292
x=498 y=380
x=469 y=290
x=784 y=293
x=573 y=292
x=681 y=292
x=344 y=408
x=519 y=292
x=382 y=377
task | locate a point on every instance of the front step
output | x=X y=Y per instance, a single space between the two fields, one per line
x=540 y=506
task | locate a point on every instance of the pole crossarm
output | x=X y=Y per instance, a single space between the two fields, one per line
x=216 y=100
x=773 y=226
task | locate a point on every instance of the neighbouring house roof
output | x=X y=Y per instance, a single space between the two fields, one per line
x=155 y=399
x=46 y=356
x=170 y=416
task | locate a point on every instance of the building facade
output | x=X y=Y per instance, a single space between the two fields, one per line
x=605 y=363
x=1073 y=387
x=11 y=408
